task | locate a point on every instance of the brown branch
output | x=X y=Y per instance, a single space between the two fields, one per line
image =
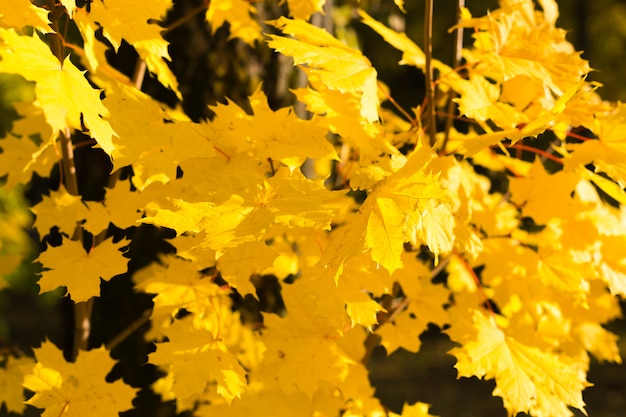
x=184 y=19
x=456 y=61
x=120 y=337
x=430 y=91
x=537 y=151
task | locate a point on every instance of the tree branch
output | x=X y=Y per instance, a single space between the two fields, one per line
x=430 y=91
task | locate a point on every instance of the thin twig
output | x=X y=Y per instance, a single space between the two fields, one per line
x=184 y=19
x=430 y=91
x=139 y=73
x=456 y=61
x=69 y=166
x=82 y=326
x=537 y=151
x=82 y=310
x=56 y=41
x=120 y=337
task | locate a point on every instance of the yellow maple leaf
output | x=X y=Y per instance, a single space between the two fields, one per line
x=608 y=152
x=301 y=339
x=195 y=357
x=400 y=210
x=76 y=389
x=11 y=379
x=104 y=261
x=411 y=53
x=237 y=266
x=342 y=115
x=296 y=141
x=21 y=157
x=153 y=146
x=238 y=13
x=527 y=378
x=425 y=305
x=24 y=13
x=515 y=40
x=60 y=209
x=339 y=67
x=177 y=284
x=63 y=93
x=418 y=409
x=543 y=196
x=303 y=9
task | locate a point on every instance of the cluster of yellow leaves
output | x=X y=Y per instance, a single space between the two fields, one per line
x=243 y=207
x=75 y=389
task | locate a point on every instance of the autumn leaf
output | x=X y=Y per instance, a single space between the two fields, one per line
x=177 y=284
x=63 y=93
x=238 y=13
x=21 y=157
x=76 y=389
x=135 y=24
x=338 y=66
x=23 y=13
x=193 y=358
x=102 y=262
x=527 y=378
x=397 y=208
x=295 y=342
x=11 y=379
x=303 y=9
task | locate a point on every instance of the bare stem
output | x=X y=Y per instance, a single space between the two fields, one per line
x=56 y=42
x=129 y=329
x=69 y=167
x=138 y=73
x=456 y=61
x=82 y=326
x=430 y=91
x=82 y=310
x=184 y=19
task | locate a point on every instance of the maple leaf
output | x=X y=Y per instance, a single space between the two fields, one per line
x=11 y=379
x=104 y=261
x=543 y=196
x=63 y=92
x=24 y=13
x=527 y=378
x=194 y=357
x=177 y=284
x=303 y=9
x=338 y=66
x=60 y=209
x=608 y=152
x=237 y=266
x=515 y=40
x=342 y=115
x=296 y=141
x=135 y=24
x=393 y=211
x=302 y=338
x=418 y=409
x=21 y=157
x=424 y=304
x=149 y=140
x=238 y=14
x=78 y=388
x=411 y=53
